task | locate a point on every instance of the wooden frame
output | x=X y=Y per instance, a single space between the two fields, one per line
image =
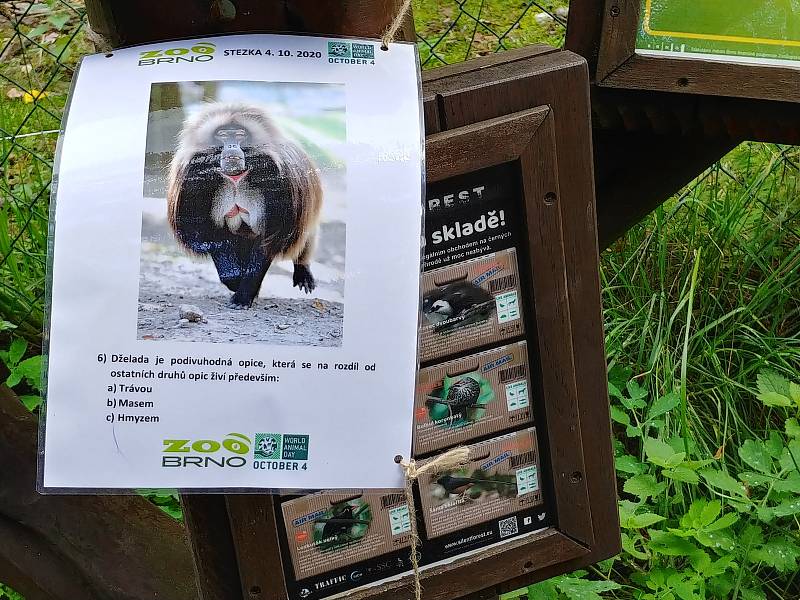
x=530 y=108
x=618 y=65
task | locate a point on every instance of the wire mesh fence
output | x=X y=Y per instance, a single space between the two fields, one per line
x=39 y=47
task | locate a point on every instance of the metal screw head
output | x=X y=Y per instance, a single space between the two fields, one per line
x=615 y=11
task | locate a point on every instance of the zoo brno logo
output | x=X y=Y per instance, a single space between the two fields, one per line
x=350 y=53
x=229 y=451
x=200 y=52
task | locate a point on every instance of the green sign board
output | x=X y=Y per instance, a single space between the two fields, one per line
x=764 y=31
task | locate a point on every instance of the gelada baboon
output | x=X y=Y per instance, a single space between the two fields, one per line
x=242 y=193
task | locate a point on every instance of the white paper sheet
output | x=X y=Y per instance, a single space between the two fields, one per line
x=299 y=391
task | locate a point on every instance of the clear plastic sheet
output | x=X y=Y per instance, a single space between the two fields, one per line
x=187 y=172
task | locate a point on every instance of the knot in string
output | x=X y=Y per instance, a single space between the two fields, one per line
x=451 y=459
x=394 y=26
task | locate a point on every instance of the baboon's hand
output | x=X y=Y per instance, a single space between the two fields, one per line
x=303 y=278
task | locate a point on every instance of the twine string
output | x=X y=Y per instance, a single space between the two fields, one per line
x=394 y=27
x=451 y=459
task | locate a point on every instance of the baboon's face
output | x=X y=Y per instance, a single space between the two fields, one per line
x=237 y=206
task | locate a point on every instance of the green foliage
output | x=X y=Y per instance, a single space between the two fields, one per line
x=732 y=531
x=6 y=593
x=166 y=500
x=23 y=372
x=572 y=587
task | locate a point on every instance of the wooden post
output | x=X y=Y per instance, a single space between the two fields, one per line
x=125 y=23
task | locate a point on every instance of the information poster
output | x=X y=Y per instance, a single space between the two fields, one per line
x=235 y=267
x=760 y=31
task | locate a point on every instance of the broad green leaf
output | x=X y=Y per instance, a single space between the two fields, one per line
x=31 y=370
x=632 y=404
x=635 y=391
x=644 y=486
x=643 y=520
x=669 y=544
x=700 y=560
x=774 y=444
x=661 y=453
x=584 y=589
x=38 y=30
x=6 y=325
x=629 y=464
x=718 y=540
x=620 y=416
x=629 y=545
x=16 y=351
x=752 y=594
x=719 y=566
x=765 y=514
x=790 y=460
x=740 y=507
x=755 y=479
x=792 y=428
x=709 y=512
x=755 y=455
x=59 y=20
x=633 y=432
x=544 y=590
x=13 y=378
x=614 y=392
x=794 y=392
x=663 y=405
x=779 y=553
x=771 y=381
x=681 y=473
x=774 y=399
x=751 y=536
x=787 y=508
x=618 y=376
x=790 y=484
x=694 y=516
x=31 y=401
x=696 y=464
x=723 y=481
x=626 y=508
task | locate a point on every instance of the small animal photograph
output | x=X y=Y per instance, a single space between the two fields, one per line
x=457 y=304
x=472 y=485
x=460 y=400
x=243 y=216
x=344 y=524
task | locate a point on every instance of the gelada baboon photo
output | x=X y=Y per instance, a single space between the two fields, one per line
x=243 y=230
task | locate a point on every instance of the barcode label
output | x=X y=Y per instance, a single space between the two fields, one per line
x=392 y=499
x=511 y=373
x=522 y=459
x=504 y=283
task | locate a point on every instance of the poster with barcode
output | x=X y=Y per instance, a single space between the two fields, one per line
x=235 y=261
